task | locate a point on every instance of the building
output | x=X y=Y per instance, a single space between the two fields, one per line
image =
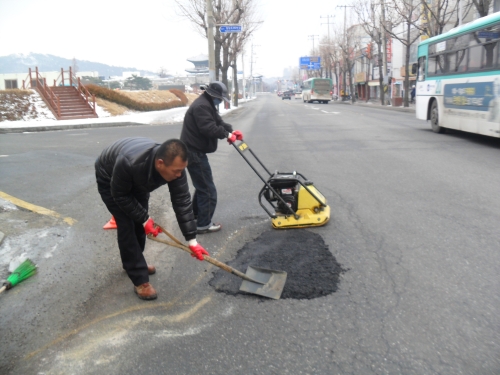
x=15 y=80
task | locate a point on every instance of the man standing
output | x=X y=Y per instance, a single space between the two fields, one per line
x=202 y=128
x=126 y=172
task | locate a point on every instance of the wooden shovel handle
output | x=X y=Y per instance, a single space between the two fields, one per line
x=215 y=262
x=2 y=289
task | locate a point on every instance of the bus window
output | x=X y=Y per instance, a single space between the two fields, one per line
x=490 y=51
x=461 y=61
x=475 y=55
x=431 y=69
x=421 y=69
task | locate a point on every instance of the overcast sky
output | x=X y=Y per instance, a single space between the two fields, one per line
x=150 y=34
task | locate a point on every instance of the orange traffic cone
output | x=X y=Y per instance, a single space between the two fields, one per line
x=110 y=224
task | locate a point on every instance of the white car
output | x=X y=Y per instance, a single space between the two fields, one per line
x=298 y=94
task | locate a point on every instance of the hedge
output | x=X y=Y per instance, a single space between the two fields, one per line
x=180 y=95
x=118 y=98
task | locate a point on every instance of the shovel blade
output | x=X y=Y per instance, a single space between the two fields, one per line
x=269 y=283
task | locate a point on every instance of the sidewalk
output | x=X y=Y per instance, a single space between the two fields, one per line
x=376 y=104
x=169 y=116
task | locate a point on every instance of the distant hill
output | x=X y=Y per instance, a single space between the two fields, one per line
x=20 y=63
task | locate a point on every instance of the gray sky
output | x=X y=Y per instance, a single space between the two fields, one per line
x=149 y=34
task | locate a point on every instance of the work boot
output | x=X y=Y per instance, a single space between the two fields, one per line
x=145 y=291
x=151 y=270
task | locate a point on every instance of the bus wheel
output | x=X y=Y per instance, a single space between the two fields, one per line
x=435 y=118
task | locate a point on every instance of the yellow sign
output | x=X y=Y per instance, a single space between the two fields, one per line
x=243 y=146
x=360 y=77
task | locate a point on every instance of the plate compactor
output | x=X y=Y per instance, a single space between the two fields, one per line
x=295 y=200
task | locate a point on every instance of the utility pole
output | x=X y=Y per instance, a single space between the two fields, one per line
x=211 y=42
x=327 y=23
x=329 y=54
x=243 y=69
x=251 y=69
x=384 y=46
x=313 y=37
x=345 y=41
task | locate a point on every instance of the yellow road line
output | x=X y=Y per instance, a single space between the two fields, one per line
x=34 y=208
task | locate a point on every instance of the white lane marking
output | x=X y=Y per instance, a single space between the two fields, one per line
x=3 y=156
x=335 y=113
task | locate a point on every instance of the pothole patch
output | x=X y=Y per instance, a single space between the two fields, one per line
x=312 y=269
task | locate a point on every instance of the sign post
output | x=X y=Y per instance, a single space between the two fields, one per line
x=233 y=29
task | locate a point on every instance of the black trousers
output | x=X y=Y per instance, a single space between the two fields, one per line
x=131 y=236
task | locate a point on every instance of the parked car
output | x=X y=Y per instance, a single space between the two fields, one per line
x=298 y=94
x=287 y=95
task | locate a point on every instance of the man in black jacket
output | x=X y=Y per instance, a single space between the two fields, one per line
x=127 y=171
x=201 y=131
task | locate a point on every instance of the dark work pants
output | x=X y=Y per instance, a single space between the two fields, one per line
x=205 y=195
x=131 y=237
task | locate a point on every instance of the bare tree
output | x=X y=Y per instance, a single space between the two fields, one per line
x=349 y=45
x=369 y=18
x=440 y=15
x=482 y=6
x=225 y=11
x=162 y=72
x=406 y=11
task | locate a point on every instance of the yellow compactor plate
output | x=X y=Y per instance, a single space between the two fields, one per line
x=307 y=219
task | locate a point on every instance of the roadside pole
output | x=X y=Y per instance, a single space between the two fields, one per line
x=243 y=69
x=232 y=29
x=211 y=42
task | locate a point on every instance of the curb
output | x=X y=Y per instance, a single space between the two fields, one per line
x=1 y=237
x=65 y=127
x=378 y=106
x=43 y=128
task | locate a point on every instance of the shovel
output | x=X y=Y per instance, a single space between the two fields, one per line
x=261 y=281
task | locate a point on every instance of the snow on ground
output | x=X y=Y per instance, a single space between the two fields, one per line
x=168 y=116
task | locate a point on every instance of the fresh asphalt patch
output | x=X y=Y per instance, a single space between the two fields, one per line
x=312 y=269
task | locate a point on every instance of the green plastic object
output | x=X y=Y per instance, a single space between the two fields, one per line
x=26 y=269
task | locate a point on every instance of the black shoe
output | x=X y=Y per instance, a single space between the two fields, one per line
x=213 y=228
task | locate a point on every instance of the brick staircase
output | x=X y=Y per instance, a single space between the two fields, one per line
x=72 y=104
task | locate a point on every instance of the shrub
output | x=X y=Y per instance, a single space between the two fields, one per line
x=180 y=95
x=15 y=105
x=119 y=98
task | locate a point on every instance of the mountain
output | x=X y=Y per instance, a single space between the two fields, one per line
x=19 y=63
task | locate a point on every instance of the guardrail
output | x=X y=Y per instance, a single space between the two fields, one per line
x=39 y=84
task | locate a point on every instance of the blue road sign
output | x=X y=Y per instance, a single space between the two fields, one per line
x=304 y=61
x=230 y=29
x=310 y=63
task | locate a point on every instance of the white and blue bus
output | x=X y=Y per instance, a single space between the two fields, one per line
x=317 y=89
x=458 y=81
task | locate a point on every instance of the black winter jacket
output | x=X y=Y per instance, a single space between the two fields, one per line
x=203 y=126
x=127 y=167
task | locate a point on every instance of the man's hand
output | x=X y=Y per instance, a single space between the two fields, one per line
x=197 y=249
x=150 y=228
x=231 y=138
x=239 y=135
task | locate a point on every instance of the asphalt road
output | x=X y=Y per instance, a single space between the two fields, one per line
x=414 y=223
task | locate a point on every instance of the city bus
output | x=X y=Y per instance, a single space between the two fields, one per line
x=317 y=89
x=458 y=78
